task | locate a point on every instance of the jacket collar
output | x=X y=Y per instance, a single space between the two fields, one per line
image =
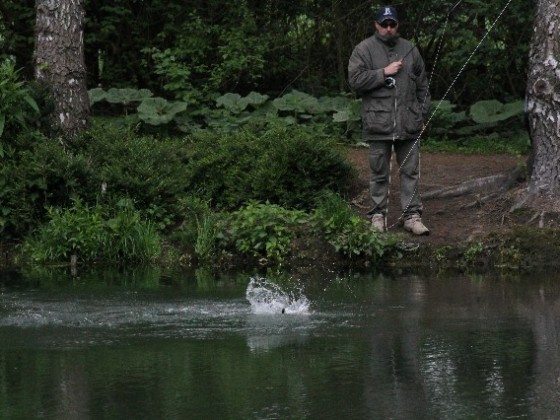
x=389 y=42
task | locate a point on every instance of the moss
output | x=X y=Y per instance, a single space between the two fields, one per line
x=528 y=247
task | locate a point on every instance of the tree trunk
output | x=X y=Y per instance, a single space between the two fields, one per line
x=59 y=61
x=543 y=100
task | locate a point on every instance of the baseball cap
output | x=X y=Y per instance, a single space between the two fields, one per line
x=387 y=13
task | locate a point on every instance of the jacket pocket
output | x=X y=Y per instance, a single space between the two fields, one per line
x=378 y=116
x=413 y=119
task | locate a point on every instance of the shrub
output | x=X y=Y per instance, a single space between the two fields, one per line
x=77 y=231
x=35 y=174
x=284 y=166
x=350 y=234
x=262 y=231
x=150 y=171
x=17 y=105
x=94 y=233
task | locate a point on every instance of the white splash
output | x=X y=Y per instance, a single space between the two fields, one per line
x=267 y=297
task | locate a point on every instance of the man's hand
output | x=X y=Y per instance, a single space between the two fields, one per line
x=393 y=68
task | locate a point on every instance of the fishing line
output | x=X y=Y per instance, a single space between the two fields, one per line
x=392 y=151
x=440 y=43
x=445 y=95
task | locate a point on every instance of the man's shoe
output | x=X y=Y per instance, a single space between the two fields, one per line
x=378 y=222
x=414 y=224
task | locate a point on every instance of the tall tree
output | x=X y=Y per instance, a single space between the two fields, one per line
x=543 y=101
x=59 y=61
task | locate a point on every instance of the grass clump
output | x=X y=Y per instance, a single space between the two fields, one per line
x=349 y=233
x=92 y=234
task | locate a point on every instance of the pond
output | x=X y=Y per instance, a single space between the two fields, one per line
x=139 y=344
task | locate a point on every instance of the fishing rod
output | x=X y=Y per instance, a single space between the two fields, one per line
x=390 y=81
x=451 y=10
x=451 y=86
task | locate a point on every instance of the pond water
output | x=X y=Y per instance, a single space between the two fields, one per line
x=141 y=345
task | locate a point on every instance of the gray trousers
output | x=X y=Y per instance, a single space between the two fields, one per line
x=408 y=159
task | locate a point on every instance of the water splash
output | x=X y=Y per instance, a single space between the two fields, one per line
x=267 y=297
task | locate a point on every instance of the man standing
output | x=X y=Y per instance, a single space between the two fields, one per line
x=388 y=73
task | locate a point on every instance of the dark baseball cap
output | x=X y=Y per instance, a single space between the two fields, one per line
x=387 y=13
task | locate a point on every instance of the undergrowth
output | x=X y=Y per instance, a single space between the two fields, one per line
x=515 y=144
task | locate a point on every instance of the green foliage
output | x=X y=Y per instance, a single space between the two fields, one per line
x=298 y=103
x=164 y=177
x=37 y=174
x=34 y=174
x=127 y=236
x=152 y=172
x=444 y=117
x=323 y=116
x=152 y=111
x=488 y=127
x=76 y=231
x=157 y=111
x=240 y=53
x=472 y=253
x=492 y=111
x=205 y=245
x=349 y=233
x=94 y=233
x=236 y=104
x=517 y=143
x=483 y=115
x=197 y=53
x=189 y=53
x=121 y=96
x=284 y=166
x=195 y=218
x=18 y=108
x=338 y=117
x=263 y=231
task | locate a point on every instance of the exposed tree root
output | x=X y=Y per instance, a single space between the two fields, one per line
x=543 y=206
x=489 y=185
x=479 y=201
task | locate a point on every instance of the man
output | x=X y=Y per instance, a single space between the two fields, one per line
x=388 y=73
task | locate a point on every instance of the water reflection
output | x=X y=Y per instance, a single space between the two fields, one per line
x=365 y=346
x=542 y=308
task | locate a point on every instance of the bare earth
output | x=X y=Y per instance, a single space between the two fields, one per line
x=450 y=220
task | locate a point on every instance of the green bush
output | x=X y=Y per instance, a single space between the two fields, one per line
x=284 y=166
x=262 y=231
x=77 y=231
x=153 y=172
x=17 y=106
x=349 y=233
x=94 y=233
x=35 y=174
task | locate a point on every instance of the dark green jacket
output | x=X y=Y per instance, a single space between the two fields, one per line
x=389 y=113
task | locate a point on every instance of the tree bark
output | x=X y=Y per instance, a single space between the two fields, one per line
x=543 y=100
x=59 y=61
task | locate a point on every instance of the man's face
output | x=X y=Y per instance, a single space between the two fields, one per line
x=387 y=28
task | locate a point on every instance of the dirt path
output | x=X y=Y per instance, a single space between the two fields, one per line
x=450 y=220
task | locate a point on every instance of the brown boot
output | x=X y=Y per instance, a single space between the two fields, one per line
x=378 y=222
x=414 y=224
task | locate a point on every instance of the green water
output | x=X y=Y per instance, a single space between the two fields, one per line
x=139 y=345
